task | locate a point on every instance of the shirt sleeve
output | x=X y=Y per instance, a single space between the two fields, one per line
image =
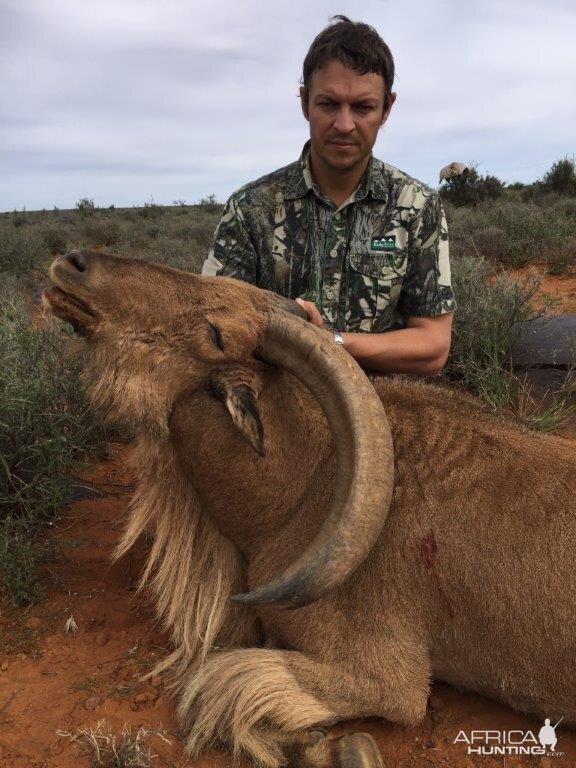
x=232 y=253
x=427 y=287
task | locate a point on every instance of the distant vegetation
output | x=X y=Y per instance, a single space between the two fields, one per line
x=45 y=425
x=516 y=224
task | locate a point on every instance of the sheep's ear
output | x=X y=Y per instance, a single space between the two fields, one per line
x=238 y=389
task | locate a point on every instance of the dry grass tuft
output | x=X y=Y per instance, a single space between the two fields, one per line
x=109 y=750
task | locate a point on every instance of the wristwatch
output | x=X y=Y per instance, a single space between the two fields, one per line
x=338 y=337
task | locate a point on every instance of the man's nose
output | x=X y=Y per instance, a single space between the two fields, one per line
x=344 y=122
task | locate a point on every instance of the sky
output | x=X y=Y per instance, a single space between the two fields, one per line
x=131 y=101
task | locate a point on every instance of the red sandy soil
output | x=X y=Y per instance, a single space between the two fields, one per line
x=53 y=681
x=556 y=292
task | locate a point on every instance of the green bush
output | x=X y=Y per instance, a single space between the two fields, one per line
x=85 y=206
x=54 y=238
x=21 y=250
x=19 y=219
x=101 y=231
x=485 y=329
x=561 y=177
x=512 y=233
x=175 y=253
x=45 y=425
x=470 y=188
x=209 y=204
x=562 y=258
x=150 y=210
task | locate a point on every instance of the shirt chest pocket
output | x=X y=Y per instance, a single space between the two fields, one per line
x=375 y=281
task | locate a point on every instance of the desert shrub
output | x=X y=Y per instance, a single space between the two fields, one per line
x=153 y=231
x=197 y=232
x=174 y=253
x=511 y=233
x=562 y=257
x=19 y=219
x=101 y=231
x=20 y=250
x=486 y=328
x=85 y=206
x=54 y=238
x=44 y=425
x=11 y=285
x=209 y=204
x=569 y=208
x=150 y=210
x=561 y=177
x=470 y=188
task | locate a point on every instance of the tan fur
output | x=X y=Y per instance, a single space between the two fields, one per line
x=250 y=700
x=191 y=569
x=472 y=580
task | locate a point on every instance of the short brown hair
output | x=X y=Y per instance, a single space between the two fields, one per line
x=356 y=45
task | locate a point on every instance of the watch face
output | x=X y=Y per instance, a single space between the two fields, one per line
x=338 y=337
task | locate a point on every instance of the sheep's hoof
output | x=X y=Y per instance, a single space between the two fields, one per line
x=358 y=750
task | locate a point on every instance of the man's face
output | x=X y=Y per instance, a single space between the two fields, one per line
x=345 y=110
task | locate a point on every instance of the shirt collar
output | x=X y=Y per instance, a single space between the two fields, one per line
x=301 y=182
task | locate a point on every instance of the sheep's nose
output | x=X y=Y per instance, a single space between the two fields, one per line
x=76 y=260
x=73 y=267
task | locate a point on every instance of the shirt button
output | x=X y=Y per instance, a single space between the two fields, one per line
x=329 y=295
x=334 y=253
x=337 y=216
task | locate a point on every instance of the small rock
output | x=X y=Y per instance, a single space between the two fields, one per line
x=101 y=638
x=436 y=702
x=148 y=696
x=92 y=703
x=33 y=622
x=4 y=666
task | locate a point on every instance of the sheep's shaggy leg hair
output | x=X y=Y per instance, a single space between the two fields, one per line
x=264 y=703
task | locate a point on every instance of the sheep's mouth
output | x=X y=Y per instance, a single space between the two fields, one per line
x=70 y=308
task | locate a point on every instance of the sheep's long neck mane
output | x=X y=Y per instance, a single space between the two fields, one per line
x=191 y=568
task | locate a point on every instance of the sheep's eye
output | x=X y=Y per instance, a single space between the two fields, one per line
x=216 y=336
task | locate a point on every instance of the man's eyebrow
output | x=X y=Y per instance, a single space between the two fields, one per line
x=357 y=100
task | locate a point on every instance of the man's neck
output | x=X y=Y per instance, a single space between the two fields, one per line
x=336 y=185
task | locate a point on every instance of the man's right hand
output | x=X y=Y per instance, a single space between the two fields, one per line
x=312 y=312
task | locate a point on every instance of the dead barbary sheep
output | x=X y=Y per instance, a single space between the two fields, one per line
x=453 y=169
x=268 y=479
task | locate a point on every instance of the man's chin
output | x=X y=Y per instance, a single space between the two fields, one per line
x=342 y=163
x=343 y=159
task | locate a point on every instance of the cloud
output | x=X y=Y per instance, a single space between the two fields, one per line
x=178 y=98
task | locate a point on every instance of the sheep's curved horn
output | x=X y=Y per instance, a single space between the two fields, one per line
x=364 y=457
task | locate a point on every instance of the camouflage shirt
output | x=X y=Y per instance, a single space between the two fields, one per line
x=368 y=265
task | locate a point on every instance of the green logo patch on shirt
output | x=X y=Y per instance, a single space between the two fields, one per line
x=386 y=243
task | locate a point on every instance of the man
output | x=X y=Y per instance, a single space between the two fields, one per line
x=361 y=245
